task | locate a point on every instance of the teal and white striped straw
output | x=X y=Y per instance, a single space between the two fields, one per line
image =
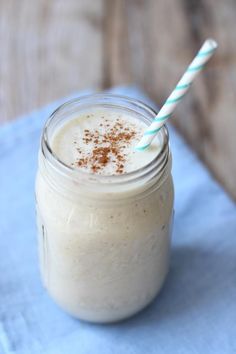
x=198 y=63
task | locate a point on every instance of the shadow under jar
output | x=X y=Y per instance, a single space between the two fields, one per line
x=104 y=241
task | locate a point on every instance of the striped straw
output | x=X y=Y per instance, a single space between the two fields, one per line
x=198 y=63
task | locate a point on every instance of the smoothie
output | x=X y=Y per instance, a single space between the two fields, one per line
x=104 y=211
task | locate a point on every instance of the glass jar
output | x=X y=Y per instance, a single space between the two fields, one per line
x=104 y=241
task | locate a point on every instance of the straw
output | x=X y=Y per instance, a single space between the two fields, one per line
x=198 y=63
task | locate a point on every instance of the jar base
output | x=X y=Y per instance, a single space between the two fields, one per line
x=105 y=317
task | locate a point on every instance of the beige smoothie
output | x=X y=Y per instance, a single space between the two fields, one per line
x=104 y=213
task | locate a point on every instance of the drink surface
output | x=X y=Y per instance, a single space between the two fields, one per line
x=103 y=141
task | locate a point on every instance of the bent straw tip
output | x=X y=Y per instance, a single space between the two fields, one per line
x=211 y=43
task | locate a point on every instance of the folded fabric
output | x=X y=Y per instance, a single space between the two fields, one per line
x=194 y=313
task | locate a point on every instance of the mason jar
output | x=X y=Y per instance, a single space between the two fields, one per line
x=104 y=241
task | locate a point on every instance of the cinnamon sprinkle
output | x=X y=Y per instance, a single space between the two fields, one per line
x=106 y=148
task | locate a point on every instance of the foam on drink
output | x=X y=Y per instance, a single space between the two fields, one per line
x=102 y=141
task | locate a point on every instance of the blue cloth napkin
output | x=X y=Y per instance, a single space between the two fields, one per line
x=194 y=313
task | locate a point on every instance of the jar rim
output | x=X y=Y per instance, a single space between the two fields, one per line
x=106 y=99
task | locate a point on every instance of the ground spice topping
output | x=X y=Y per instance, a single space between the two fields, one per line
x=106 y=146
